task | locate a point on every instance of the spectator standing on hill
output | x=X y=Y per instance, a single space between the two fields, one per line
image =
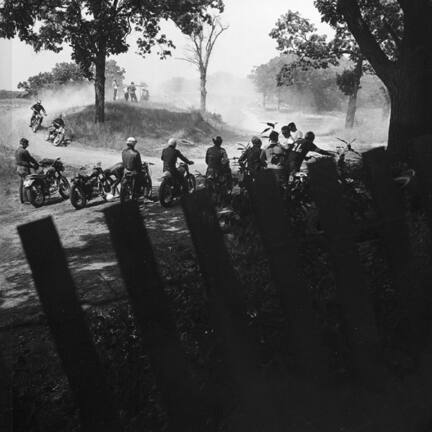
x=115 y=90
x=24 y=161
x=132 y=92
x=126 y=93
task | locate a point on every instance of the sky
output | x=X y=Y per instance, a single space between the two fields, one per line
x=244 y=45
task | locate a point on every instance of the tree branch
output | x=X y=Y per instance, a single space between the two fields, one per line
x=367 y=42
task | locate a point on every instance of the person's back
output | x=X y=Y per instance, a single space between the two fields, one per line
x=214 y=157
x=131 y=160
x=169 y=158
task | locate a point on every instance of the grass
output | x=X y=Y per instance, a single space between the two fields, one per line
x=150 y=126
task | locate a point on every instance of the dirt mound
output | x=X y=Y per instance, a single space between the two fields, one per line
x=151 y=126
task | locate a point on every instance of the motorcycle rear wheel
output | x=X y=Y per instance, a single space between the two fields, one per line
x=126 y=192
x=77 y=197
x=36 y=195
x=166 y=193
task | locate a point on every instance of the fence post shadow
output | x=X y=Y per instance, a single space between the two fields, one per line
x=187 y=409
x=68 y=326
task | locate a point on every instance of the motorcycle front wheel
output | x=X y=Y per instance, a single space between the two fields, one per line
x=64 y=187
x=58 y=140
x=147 y=189
x=77 y=197
x=36 y=195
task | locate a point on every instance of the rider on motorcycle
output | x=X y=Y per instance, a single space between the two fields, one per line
x=252 y=156
x=24 y=161
x=37 y=108
x=132 y=163
x=169 y=157
x=56 y=124
x=217 y=160
x=300 y=151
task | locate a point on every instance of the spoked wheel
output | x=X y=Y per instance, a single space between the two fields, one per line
x=36 y=124
x=77 y=197
x=166 y=193
x=126 y=192
x=64 y=187
x=37 y=197
x=59 y=138
x=191 y=183
x=147 y=189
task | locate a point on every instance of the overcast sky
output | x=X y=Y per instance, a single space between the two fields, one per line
x=244 y=45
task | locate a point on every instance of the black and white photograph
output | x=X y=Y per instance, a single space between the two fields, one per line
x=216 y=215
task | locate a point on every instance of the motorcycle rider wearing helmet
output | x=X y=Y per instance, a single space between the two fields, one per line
x=56 y=124
x=169 y=157
x=300 y=151
x=132 y=163
x=37 y=108
x=24 y=161
x=253 y=156
x=217 y=160
x=274 y=156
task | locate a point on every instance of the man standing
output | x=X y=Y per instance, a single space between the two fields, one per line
x=300 y=151
x=291 y=135
x=132 y=92
x=169 y=157
x=274 y=156
x=115 y=90
x=252 y=156
x=24 y=161
x=132 y=163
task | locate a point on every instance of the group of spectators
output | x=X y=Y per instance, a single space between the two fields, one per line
x=130 y=92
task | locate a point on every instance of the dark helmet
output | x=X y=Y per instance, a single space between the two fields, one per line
x=218 y=141
x=274 y=136
x=24 y=141
x=256 y=141
x=310 y=136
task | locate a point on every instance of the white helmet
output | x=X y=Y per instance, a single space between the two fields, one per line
x=172 y=142
x=131 y=141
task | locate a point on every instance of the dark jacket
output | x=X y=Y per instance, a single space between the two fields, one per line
x=253 y=157
x=23 y=158
x=38 y=108
x=170 y=156
x=58 y=122
x=214 y=157
x=131 y=160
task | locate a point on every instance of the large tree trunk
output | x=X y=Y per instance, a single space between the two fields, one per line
x=203 y=88
x=100 y=86
x=411 y=106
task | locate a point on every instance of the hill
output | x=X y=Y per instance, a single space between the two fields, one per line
x=151 y=126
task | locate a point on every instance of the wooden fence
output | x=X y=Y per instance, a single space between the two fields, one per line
x=187 y=407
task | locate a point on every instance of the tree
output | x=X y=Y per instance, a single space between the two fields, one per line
x=96 y=29
x=395 y=36
x=203 y=41
x=62 y=74
x=297 y=36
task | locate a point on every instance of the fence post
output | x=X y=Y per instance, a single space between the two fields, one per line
x=228 y=314
x=185 y=406
x=282 y=250
x=351 y=285
x=390 y=206
x=66 y=320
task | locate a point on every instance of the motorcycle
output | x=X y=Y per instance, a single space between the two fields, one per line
x=128 y=184
x=36 y=122
x=39 y=186
x=170 y=189
x=88 y=186
x=219 y=185
x=57 y=136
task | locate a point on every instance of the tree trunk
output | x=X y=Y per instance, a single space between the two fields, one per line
x=411 y=107
x=352 y=102
x=203 y=91
x=100 y=86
